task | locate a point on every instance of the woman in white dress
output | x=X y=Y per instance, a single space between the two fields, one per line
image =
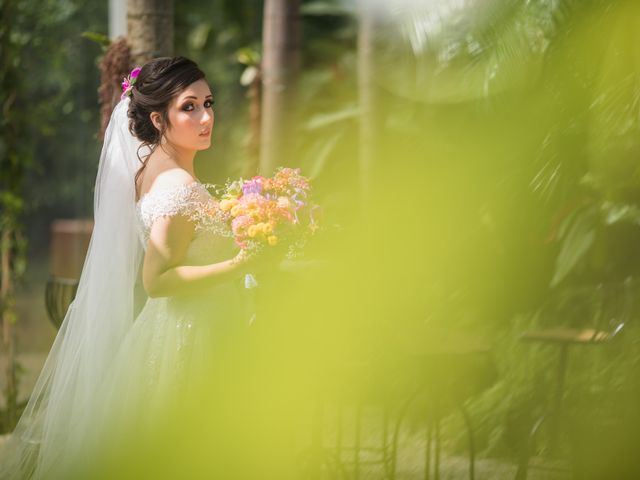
x=112 y=374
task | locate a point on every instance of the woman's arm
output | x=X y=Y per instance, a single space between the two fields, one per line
x=162 y=272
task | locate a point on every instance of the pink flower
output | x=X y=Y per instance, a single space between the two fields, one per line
x=126 y=88
x=127 y=82
x=240 y=223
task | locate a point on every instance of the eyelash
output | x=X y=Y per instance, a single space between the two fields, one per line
x=210 y=102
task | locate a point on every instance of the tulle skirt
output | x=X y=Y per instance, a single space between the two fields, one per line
x=176 y=402
x=186 y=396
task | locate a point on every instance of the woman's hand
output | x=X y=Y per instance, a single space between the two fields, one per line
x=242 y=258
x=267 y=259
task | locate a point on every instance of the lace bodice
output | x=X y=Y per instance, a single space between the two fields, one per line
x=211 y=242
x=181 y=199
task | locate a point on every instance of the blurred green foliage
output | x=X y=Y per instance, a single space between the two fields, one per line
x=519 y=124
x=56 y=108
x=505 y=180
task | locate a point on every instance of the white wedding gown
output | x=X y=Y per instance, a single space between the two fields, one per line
x=174 y=338
x=178 y=356
x=178 y=353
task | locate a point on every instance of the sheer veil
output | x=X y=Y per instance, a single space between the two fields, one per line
x=55 y=421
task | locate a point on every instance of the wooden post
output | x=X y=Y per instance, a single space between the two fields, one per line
x=280 y=65
x=369 y=116
x=69 y=245
x=150 y=29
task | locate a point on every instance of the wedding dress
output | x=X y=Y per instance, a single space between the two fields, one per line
x=110 y=372
x=177 y=353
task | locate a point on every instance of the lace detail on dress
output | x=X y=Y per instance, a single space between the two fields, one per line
x=192 y=200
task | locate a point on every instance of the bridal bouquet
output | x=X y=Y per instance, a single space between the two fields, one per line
x=267 y=211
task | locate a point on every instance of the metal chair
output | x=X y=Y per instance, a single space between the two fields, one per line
x=443 y=366
x=348 y=455
x=58 y=295
x=610 y=305
x=366 y=394
x=69 y=243
x=387 y=387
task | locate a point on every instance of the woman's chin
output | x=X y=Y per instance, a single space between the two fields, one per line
x=204 y=144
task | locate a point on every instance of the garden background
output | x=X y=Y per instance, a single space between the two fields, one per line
x=477 y=164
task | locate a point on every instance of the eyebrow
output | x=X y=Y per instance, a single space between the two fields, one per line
x=191 y=96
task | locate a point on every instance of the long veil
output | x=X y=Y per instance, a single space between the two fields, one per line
x=58 y=414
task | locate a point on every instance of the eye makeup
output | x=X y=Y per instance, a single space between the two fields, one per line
x=188 y=107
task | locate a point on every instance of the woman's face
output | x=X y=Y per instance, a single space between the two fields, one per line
x=191 y=118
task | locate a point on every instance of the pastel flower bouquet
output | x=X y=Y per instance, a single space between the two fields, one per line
x=268 y=212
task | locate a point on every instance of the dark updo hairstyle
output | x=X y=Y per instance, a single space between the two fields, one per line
x=158 y=82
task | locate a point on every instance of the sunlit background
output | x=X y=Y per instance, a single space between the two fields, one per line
x=469 y=305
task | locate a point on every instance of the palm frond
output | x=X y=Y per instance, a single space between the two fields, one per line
x=468 y=49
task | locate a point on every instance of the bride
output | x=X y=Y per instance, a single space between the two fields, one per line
x=112 y=374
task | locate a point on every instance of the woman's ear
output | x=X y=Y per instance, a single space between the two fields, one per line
x=156 y=119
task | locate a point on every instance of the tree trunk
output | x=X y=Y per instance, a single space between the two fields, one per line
x=280 y=65
x=369 y=119
x=150 y=29
x=12 y=172
x=7 y=315
x=254 y=94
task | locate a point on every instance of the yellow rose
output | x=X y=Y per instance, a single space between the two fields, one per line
x=267 y=229
x=226 y=205
x=273 y=240
x=235 y=211
x=252 y=231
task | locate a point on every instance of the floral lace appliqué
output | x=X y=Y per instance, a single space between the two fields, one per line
x=191 y=200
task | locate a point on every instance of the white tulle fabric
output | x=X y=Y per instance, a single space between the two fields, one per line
x=58 y=413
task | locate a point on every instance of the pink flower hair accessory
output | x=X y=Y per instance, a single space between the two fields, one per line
x=127 y=82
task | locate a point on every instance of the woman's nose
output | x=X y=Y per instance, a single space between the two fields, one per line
x=207 y=117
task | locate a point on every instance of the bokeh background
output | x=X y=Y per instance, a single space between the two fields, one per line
x=477 y=165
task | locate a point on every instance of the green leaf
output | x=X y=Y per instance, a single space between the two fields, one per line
x=319 y=155
x=199 y=36
x=325 y=119
x=11 y=201
x=580 y=235
x=248 y=76
x=325 y=8
x=99 y=38
x=248 y=56
x=621 y=212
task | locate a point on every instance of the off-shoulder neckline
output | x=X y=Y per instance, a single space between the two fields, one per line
x=169 y=188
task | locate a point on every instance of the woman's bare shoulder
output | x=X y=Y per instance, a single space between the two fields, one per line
x=172 y=177
x=165 y=179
